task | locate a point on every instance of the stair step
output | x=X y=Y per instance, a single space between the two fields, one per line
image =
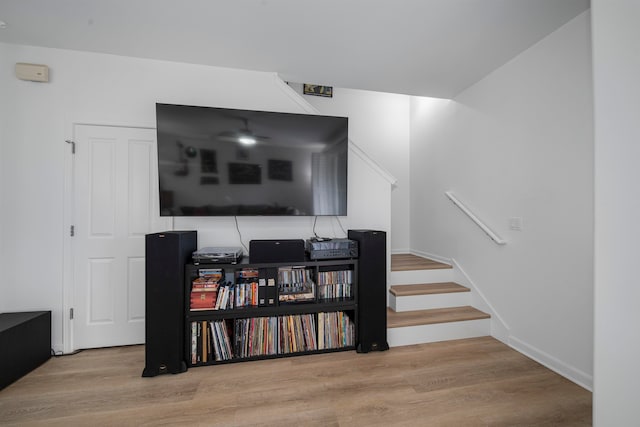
x=426 y=289
x=409 y=262
x=433 y=316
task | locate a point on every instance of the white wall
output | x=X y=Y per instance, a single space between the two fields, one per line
x=616 y=67
x=379 y=124
x=519 y=143
x=107 y=89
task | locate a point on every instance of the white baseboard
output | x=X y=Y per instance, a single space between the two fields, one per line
x=499 y=328
x=569 y=372
x=431 y=256
x=400 y=251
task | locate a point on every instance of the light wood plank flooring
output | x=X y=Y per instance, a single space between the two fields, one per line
x=409 y=262
x=473 y=382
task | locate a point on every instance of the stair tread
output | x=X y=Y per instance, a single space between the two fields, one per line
x=427 y=289
x=409 y=262
x=400 y=319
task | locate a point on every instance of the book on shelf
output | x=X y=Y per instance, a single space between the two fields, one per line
x=215 y=274
x=203 y=300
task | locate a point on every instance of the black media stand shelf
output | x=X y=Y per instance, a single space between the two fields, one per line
x=252 y=311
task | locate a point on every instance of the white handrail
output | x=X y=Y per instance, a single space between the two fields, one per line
x=475 y=219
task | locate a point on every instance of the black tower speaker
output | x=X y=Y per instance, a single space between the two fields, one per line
x=166 y=255
x=372 y=290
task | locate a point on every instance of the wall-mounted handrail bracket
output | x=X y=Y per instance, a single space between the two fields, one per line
x=475 y=219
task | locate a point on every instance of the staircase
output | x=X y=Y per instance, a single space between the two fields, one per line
x=425 y=305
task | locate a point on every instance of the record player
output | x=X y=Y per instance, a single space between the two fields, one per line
x=218 y=255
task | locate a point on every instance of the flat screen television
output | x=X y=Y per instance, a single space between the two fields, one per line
x=230 y=162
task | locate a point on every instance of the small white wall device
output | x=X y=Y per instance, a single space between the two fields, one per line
x=32 y=72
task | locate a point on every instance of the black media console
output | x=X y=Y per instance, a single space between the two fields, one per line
x=279 y=304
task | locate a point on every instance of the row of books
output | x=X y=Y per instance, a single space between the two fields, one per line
x=260 y=336
x=209 y=291
x=297 y=333
x=234 y=295
x=333 y=277
x=295 y=284
x=227 y=296
x=335 y=330
x=336 y=290
x=294 y=275
x=256 y=336
x=210 y=341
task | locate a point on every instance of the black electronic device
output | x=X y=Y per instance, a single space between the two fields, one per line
x=166 y=254
x=230 y=162
x=218 y=255
x=321 y=248
x=372 y=294
x=284 y=250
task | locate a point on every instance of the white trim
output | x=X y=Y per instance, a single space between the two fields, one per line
x=400 y=251
x=475 y=219
x=372 y=163
x=573 y=374
x=499 y=327
x=295 y=97
x=67 y=247
x=432 y=256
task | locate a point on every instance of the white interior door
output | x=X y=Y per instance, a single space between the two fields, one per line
x=115 y=204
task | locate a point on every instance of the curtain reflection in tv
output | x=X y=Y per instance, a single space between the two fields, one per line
x=328 y=173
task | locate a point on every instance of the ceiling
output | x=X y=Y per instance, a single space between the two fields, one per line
x=418 y=47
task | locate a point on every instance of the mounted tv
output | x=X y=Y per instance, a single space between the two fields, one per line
x=230 y=162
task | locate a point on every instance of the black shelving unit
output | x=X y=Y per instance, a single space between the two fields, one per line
x=290 y=328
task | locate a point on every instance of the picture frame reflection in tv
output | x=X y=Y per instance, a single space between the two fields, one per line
x=244 y=173
x=280 y=170
x=208 y=161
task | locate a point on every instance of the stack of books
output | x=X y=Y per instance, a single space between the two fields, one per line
x=204 y=289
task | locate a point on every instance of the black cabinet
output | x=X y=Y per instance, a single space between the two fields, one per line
x=250 y=311
x=25 y=343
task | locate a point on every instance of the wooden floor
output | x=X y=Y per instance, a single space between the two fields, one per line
x=409 y=262
x=474 y=382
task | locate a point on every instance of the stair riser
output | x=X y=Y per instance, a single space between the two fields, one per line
x=421 y=276
x=410 y=335
x=424 y=302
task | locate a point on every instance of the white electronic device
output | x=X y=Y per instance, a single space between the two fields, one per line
x=32 y=72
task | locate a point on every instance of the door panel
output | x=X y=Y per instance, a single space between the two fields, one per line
x=115 y=206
